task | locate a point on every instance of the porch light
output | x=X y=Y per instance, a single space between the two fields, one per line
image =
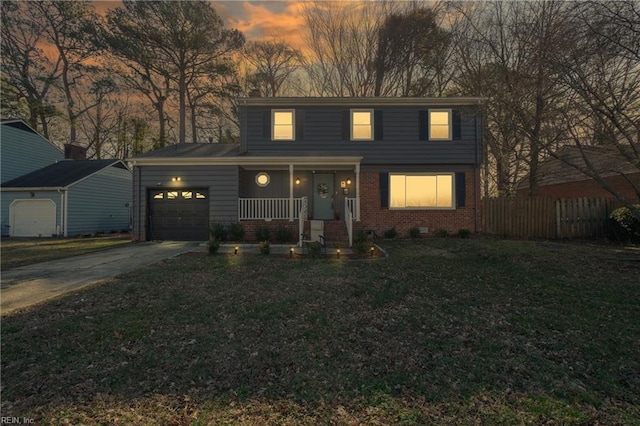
x=297 y=181
x=348 y=181
x=235 y=250
x=176 y=179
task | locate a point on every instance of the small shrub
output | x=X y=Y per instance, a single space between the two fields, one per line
x=284 y=234
x=265 y=247
x=236 y=232
x=361 y=247
x=213 y=245
x=360 y=235
x=624 y=225
x=414 y=233
x=441 y=233
x=390 y=233
x=218 y=232
x=263 y=234
x=315 y=249
x=464 y=233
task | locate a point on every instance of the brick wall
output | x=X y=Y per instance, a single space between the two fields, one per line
x=250 y=227
x=379 y=219
x=590 y=188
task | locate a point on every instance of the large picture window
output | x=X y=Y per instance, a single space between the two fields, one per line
x=283 y=127
x=421 y=191
x=440 y=124
x=361 y=124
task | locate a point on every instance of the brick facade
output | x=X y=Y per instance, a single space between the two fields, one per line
x=251 y=226
x=373 y=217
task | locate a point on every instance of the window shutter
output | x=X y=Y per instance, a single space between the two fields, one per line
x=384 y=190
x=346 y=125
x=299 y=125
x=266 y=125
x=455 y=122
x=460 y=189
x=423 y=122
x=377 y=125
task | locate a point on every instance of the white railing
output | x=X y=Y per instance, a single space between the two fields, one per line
x=267 y=208
x=348 y=218
x=353 y=204
x=302 y=216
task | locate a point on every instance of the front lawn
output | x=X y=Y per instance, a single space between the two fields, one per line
x=443 y=331
x=26 y=251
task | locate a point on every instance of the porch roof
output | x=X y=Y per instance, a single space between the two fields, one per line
x=249 y=160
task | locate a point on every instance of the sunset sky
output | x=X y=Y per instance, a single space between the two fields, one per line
x=256 y=19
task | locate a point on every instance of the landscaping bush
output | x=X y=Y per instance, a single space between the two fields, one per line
x=624 y=225
x=390 y=234
x=315 y=249
x=284 y=234
x=414 y=233
x=213 y=245
x=464 y=233
x=265 y=247
x=236 y=232
x=218 y=231
x=263 y=234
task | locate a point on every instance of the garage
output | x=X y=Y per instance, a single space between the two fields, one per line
x=33 y=218
x=179 y=215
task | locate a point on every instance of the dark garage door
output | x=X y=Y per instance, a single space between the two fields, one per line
x=179 y=215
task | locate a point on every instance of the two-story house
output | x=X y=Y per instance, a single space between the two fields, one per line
x=372 y=163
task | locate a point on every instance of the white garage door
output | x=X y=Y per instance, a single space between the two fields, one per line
x=33 y=218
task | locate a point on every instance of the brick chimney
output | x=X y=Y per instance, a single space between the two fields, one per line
x=74 y=152
x=255 y=93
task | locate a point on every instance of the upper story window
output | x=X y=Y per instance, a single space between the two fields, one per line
x=440 y=127
x=283 y=125
x=361 y=124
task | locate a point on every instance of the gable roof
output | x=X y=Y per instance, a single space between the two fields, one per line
x=605 y=161
x=20 y=124
x=62 y=173
x=194 y=150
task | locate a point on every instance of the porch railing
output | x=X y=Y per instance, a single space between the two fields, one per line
x=267 y=208
x=353 y=204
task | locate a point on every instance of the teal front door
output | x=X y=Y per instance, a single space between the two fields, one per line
x=323 y=196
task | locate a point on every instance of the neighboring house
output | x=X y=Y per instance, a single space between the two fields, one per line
x=378 y=162
x=58 y=197
x=23 y=150
x=557 y=179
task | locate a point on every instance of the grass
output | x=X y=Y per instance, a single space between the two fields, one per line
x=22 y=251
x=444 y=331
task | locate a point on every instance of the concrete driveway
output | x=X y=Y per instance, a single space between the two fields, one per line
x=29 y=285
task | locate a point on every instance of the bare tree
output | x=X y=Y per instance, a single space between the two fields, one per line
x=27 y=72
x=273 y=64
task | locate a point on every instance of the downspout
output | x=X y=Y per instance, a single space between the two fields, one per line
x=64 y=210
x=476 y=183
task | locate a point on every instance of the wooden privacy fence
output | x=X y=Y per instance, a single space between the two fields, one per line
x=540 y=217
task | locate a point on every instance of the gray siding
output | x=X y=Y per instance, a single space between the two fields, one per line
x=400 y=143
x=8 y=197
x=220 y=181
x=22 y=152
x=100 y=202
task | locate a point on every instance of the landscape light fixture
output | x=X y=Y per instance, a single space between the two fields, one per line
x=372 y=250
x=235 y=250
x=291 y=252
x=338 y=253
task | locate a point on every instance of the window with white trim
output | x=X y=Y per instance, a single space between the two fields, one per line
x=421 y=191
x=283 y=124
x=440 y=124
x=361 y=124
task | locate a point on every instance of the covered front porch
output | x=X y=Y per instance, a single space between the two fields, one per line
x=319 y=189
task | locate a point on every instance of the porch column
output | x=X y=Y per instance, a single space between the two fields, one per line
x=291 y=193
x=358 y=192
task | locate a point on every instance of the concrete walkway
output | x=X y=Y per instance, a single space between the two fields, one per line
x=29 y=285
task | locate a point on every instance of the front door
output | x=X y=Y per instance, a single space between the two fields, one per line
x=323 y=196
